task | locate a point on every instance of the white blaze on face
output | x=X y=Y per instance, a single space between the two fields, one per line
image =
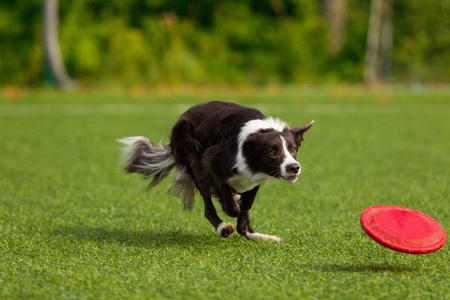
x=288 y=160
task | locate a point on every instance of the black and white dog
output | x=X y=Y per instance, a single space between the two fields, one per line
x=224 y=150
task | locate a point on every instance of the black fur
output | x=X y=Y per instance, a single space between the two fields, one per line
x=224 y=150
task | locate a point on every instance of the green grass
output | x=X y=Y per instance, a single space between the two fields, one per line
x=74 y=226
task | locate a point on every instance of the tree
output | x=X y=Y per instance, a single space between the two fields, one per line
x=335 y=12
x=54 y=64
x=379 y=42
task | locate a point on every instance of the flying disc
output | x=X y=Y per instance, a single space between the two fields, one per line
x=403 y=229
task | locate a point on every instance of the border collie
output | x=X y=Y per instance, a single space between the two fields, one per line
x=226 y=151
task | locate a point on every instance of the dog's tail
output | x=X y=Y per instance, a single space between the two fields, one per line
x=143 y=157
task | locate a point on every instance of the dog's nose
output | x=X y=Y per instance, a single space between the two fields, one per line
x=294 y=168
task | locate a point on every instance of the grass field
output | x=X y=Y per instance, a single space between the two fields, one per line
x=74 y=226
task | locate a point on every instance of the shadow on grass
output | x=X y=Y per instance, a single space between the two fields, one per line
x=175 y=238
x=365 y=268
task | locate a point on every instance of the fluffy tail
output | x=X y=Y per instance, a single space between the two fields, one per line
x=143 y=157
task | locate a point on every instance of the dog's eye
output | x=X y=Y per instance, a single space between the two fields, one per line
x=273 y=153
x=293 y=149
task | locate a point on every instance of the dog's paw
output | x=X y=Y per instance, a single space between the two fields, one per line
x=258 y=236
x=225 y=229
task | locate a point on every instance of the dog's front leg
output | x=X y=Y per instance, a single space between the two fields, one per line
x=214 y=161
x=243 y=222
x=229 y=205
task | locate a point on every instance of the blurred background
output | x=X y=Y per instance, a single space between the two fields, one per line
x=227 y=42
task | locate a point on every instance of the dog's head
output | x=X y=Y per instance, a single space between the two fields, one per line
x=274 y=152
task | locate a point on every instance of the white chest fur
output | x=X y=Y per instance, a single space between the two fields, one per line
x=243 y=183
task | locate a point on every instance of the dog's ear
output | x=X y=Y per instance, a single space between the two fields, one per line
x=248 y=146
x=299 y=131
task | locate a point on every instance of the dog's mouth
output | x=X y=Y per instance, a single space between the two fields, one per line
x=290 y=178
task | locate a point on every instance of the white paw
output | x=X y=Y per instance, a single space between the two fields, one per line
x=225 y=229
x=265 y=237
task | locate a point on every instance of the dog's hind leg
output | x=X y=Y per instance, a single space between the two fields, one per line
x=204 y=184
x=243 y=222
x=188 y=152
x=223 y=229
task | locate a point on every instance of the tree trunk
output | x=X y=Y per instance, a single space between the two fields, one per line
x=335 y=12
x=53 y=60
x=373 y=42
x=386 y=42
x=379 y=42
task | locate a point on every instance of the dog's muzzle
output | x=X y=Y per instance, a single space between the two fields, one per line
x=292 y=172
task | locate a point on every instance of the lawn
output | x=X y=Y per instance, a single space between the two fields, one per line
x=73 y=225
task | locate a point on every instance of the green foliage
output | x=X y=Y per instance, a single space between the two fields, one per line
x=348 y=64
x=73 y=225
x=20 y=37
x=206 y=41
x=422 y=42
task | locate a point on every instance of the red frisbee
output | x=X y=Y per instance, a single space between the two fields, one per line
x=403 y=229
